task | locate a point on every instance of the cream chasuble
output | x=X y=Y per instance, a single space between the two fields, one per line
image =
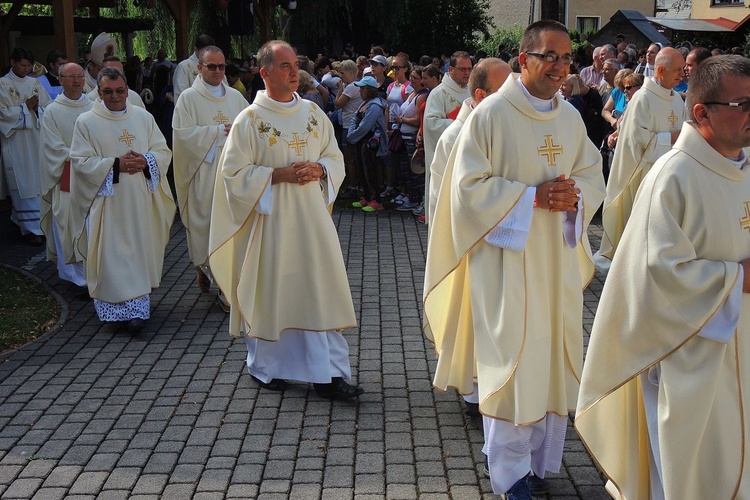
x=652 y=110
x=689 y=228
x=518 y=312
x=19 y=130
x=443 y=151
x=445 y=98
x=56 y=137
x=133 y=98
x=127 y=232
x=89 y=82
x=184 y=75
x=283 y=270
x=198 y=139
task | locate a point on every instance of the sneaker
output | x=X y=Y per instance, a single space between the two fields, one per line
x=419 y=210
x=421 y=219
x=361 y=203
x=407 y=206
x=398 y=200
x=520 y=490
x=389 y=191
x=373 y=206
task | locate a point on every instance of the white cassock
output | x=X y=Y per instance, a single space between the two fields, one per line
x=663 y=402
x=128 y=216
x=503 y=281
x=442 y=100
x=274 y=251
x=19 y=141
x=56 y=136
x=133 y=98
x=199 y=135
x=645 y=134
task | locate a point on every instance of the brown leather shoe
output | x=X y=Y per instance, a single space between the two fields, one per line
x=203 y=281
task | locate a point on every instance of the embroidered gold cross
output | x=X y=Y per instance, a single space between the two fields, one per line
x=126 y=137
x=297 y=144
x=745 y=221
x=672 y=119
x=550 y=150
x=220 y=118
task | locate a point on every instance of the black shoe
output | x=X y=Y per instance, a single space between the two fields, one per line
x=276 y=384
x=538 y=485
x=520 y=490
x=135 y=325
x=82 y=293
x=338 y=389
x=34 y=240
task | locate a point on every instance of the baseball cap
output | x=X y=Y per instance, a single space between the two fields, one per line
x=368 y=81
x=380 y=60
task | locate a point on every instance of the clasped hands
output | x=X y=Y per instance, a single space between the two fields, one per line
x=558 y=195
x=132 y=162
x=300 y=172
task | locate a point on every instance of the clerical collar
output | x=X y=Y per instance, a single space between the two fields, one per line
x=739 y=162
x=80 y=99
x=115 y=113
x=541 y=105
x=15 y=77
x=216 y=90
x=289 y=104
x=653 y=79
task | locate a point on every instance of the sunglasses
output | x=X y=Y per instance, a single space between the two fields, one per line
x=398 y=67
x=119 y=91
x=628 y=87
x=214 y=67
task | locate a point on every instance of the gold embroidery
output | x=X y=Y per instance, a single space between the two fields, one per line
x=672 y=119
x=297 y=144
x=220 y=118
x=126 y=137
x=745 y=221
x=550 y=150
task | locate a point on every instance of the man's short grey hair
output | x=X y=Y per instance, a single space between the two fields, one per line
x=110 y=74
x=348 y=66
x=206 y=50
x=609 y=48
x=705 y=83
x=614 y=62
x=265 y=53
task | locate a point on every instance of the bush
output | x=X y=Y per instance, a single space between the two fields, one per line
x=503 y=39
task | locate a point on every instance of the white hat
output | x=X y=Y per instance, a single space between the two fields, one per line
x=102 y=46
x=367 y=71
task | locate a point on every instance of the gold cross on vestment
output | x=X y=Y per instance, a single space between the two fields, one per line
x=220 y=118
x=126 y=137
x=745 y=221
x=672 y=119
x=550 y=150
x=297 y=144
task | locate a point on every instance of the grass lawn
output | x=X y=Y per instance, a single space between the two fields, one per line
x=26 y=309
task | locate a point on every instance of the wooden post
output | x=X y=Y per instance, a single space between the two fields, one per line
x=180 y=10
x=62 y=15
x=5 y=29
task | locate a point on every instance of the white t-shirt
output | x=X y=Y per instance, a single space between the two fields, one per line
x=351 y=106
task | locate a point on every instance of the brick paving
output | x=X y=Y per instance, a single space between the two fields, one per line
x=90 y=412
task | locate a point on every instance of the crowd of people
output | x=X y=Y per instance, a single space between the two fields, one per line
x=505 y=159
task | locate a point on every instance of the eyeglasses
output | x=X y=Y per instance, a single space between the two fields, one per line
x=463 y=70
x=214 y=67
x=551 y=57
x=74 y=77
x=744 y=105
x=628 y=87
x=109 y=92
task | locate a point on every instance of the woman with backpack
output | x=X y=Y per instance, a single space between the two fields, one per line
x=368 y=133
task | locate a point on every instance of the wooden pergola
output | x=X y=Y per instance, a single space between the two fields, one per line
x=65 y=24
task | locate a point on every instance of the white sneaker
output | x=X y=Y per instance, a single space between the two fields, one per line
x=398 y=200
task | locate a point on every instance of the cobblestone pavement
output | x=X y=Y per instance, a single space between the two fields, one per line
x=89 y=412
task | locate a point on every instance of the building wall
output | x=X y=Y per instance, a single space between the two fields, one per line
x=702 y=9
x=507 y=13
x=604 y=9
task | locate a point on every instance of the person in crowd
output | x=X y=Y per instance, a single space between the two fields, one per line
x=307 y=89
x=348 y=100
x=50 y=80
x=368 y=133
x=187 y=70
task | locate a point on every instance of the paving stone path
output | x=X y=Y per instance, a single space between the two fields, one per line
x=90 y=412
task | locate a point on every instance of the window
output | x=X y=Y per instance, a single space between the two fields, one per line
x=727 y=2
x=587 y=24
